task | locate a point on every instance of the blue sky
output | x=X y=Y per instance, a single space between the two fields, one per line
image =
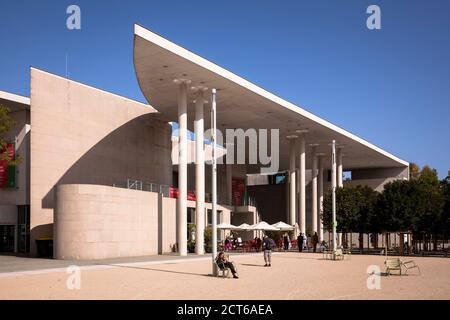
x=389 y=86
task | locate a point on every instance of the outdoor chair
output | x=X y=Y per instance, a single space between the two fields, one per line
x=339 y=254
x=410 y=265
x=223 y=270
x=393 y=264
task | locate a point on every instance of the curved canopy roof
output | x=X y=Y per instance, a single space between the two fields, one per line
x=241 y=104
x=14 y=101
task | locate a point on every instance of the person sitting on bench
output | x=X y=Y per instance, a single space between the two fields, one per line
x=222 y=261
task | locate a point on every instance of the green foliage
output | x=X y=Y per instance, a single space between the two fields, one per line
x=208 y=239
x=414 y=205
x=354 y=208
x=6 y=124
x=445 y=216
x=421 y=204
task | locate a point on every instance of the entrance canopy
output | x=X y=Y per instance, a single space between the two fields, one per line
x=13 y=101
x=241 y=104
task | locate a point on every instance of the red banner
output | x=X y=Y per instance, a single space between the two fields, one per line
x=238 y=189
x=4 y=166
x=174 y=193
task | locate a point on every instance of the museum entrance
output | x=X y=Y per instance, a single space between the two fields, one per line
x=7 y=238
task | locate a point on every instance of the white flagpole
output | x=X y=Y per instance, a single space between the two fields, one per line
x=333 y=192
x=214 y=181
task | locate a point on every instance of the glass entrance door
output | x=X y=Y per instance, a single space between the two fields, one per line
x=7 y=238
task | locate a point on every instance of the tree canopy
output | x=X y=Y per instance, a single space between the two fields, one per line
x=421 y=204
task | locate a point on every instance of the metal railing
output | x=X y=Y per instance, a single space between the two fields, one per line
x=140 y=185
x=164 y=189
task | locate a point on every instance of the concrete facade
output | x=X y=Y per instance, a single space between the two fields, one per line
x=100 y=222
x=71 y=145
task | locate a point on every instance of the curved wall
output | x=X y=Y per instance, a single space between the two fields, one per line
x=99 y=222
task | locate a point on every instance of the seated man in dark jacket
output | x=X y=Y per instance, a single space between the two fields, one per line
x=222 y=261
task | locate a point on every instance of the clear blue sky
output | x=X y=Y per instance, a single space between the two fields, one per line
x=389 y=86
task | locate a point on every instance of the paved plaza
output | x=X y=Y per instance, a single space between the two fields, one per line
x=292 y=276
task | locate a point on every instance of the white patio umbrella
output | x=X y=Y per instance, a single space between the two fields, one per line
x=263 y=226
x=228 y=226
x=245 y=226
x=282 y=226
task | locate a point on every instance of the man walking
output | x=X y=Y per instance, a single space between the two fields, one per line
x=268 y=245
x=315 y=240
x=300 y=242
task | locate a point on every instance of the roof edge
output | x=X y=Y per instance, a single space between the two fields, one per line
x=194 y=58
x=95 y=88
x=14 y=97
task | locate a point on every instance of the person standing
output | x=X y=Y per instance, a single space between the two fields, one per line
x=268 y=245
x=300 y=242
x=315 y=240
x=258 y=244
x=286 y=242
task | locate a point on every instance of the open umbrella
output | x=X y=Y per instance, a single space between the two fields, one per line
x=282 y=226
x=263 y=226
x=245 y=226
x=228 y=226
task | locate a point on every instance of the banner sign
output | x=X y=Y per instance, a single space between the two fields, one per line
x=8 y=173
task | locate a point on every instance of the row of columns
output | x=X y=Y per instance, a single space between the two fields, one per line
x=199 y=128
x=317 y=175
x=297 y=183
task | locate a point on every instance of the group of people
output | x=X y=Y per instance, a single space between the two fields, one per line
x=303 y=242
x=268 y=244
x=230 y=244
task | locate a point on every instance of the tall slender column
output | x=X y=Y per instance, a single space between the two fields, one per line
x=302 y=181
x=199 y=172
x=320 y=205
x=339 y=182
x=333 y=193
x=314 y=188
x=292 y=181
x=182 y=167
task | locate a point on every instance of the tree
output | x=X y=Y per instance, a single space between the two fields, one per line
x=6 y=123
x=415 y=205
x=354 y=207
x=414 y=170
x=445 y=216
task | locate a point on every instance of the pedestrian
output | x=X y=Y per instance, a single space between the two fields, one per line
x=300 y=242
x=258 y=244
x=286 y=242
x=315 y=240
x=268 y=245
